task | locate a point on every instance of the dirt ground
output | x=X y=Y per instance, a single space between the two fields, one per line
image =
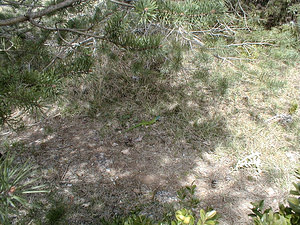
x=108 y=175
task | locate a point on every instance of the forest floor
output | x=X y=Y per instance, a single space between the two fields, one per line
x=228 y=128
x=140 y=172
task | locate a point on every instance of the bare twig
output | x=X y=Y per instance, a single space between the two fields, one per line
x=283 y=118
x=122 y=3
x=210 y=32
x=233 y=8
x=65 y=29
x=71 y=46
x=221 y=30
x=192 y=39
x=231 y=58
x=244 y=14
x=68 y=43
x=62 y=177
x=250 y=43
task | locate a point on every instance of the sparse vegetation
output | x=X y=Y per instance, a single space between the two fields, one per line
x=125 y=105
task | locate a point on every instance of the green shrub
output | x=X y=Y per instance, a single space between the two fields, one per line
x=186 y=196
x=185 y=216
x=130 y=220
x=287 y=215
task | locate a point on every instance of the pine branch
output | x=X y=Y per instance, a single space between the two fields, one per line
x=33 y=15
x=12 y=3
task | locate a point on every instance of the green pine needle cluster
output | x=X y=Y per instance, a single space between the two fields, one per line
x=15 y=183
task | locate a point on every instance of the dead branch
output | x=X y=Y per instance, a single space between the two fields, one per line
x=250 y=43
x=122 y=3
x=231 y=58
x=65 y=29
x=191 y=37
x=244 y=15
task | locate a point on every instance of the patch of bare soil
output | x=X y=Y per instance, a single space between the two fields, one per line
x=108 y=175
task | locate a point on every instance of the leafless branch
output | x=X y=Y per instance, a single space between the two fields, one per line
x=244 y=15
x=122 y=3
x=65 y=51
x=65 y=29
x=211 y=32
x=190 y=37
x=232 y=58
x=250 y=43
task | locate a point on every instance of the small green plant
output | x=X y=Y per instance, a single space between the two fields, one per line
x=138 y=220
x=146 y=9
x=293 y=108
x=293 y=211
x=48 y=130
x=222 y=86
x=185 y=216
x=56 y=214
x=186 y=196
x=208 y=218
x=287 y=215
x=187 y=199
x=130 y=220
x=267 y=216
x=15 y=184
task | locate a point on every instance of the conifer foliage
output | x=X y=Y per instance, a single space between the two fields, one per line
x=44 y=42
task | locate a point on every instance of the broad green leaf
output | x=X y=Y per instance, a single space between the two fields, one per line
x=294 y=201
x=292 y=192
x=211 y=214
x=294 y=204
x=202 y=215
x=210 y=222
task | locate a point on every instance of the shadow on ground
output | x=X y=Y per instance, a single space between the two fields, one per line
x=102 y=170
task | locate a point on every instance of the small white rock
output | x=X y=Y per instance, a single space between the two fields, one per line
x=126 y=152
x=270 y=191
x=85 y=205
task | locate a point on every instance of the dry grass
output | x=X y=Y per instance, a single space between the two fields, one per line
x=214 y=116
